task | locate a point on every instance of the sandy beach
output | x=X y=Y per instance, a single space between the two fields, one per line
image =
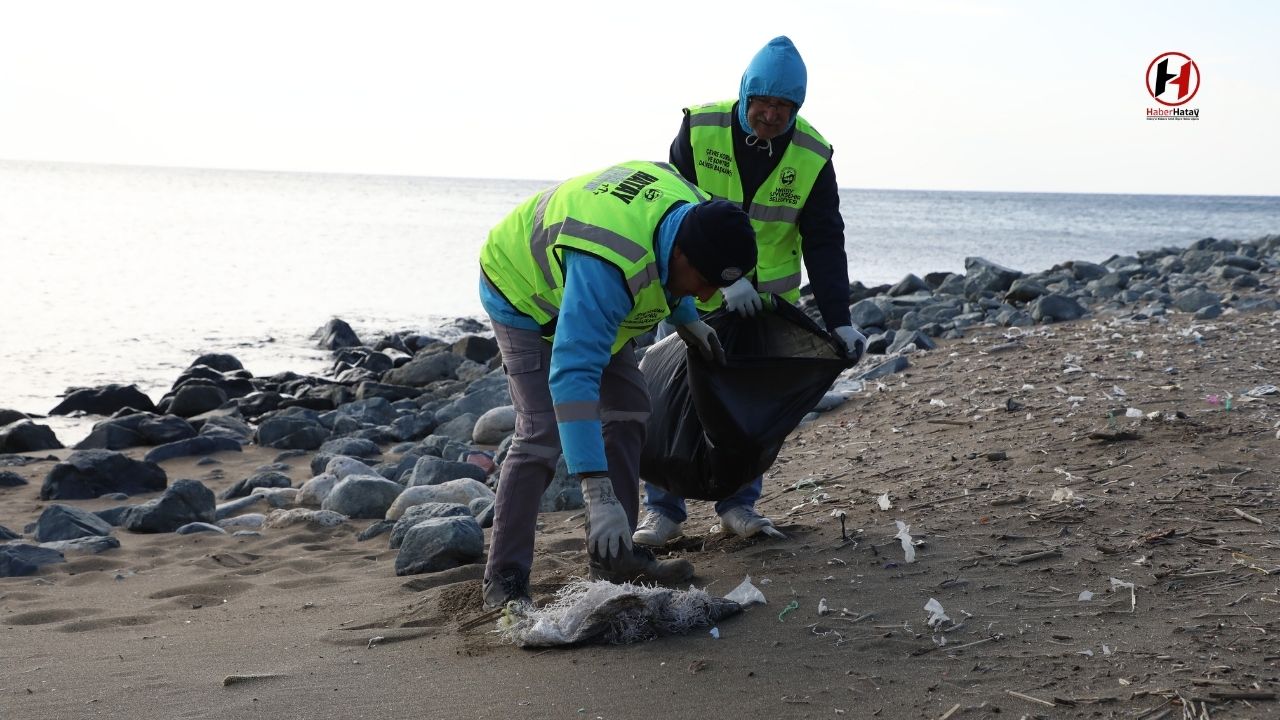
x=1011 y=455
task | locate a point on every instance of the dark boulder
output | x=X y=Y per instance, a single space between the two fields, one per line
x=89 y=474
x=199 y=445
x=186 y=501
x=27 y=436
x=63 y=522
x=104 y=400
x=222 y=362
x=269 y=479
x=24 y=559
x=336 y=334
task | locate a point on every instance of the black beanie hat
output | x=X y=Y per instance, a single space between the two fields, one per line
x=718 y=240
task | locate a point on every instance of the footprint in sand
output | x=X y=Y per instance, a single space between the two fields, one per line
x=120 y=621
x=45 y=617
x=206 y=593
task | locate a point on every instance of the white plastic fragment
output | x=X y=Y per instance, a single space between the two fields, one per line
x=1063 y=494
x=1106 y=650
x=937 y=403
x=936 y=614
x=823 y=609
x=747 y=594
x=1133 y=592
x=1133 y=413
x=883 y=501
x=904 y=534
x=1085 y=596
x=715 y=633
x=1118 y=391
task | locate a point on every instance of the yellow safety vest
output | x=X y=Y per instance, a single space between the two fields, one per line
x=612 y=214
x=776 y=205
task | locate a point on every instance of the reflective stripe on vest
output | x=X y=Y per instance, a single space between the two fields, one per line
x=775 y=207
x=612 y=215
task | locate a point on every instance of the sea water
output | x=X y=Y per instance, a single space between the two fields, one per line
x=126 y=274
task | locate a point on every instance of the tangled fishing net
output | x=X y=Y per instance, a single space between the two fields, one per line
x=599 y=611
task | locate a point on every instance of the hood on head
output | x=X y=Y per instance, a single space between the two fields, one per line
x=777 y=71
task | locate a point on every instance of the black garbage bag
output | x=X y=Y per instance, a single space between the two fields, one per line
x=715 y=428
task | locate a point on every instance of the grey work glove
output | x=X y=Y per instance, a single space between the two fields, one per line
x=852 y=342
x=608 y=531
x=742 y=298
x=702 y=337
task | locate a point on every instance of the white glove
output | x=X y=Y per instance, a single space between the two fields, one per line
x=742 y=298
x=607 y=528
x=852 y=342
x=702 y=337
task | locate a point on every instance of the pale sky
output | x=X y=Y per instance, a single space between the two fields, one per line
x=1008 y=96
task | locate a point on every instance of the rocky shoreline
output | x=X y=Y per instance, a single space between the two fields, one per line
x=442 y=411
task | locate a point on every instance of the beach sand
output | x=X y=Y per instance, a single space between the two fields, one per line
x=970 y=444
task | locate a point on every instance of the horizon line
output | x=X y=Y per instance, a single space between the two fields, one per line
x=347 y=173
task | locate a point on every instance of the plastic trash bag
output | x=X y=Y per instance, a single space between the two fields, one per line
x=599 y=611
x=715 y=428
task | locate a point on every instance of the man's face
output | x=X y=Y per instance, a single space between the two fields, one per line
x=683 y=279
x=768 y=116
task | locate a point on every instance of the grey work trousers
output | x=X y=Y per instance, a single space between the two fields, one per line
x=531 y=460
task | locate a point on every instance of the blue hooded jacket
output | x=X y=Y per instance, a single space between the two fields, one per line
x=776 y=71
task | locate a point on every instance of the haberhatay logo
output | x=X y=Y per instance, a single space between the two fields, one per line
x=1173 y=79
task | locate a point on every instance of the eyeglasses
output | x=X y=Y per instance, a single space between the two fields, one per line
x=782 y=106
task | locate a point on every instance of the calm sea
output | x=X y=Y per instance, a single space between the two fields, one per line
x=124 y=274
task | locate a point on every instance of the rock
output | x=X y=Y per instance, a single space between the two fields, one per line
x=461 y=492
x=1195 y=298
x=889 y=367
x=336 y=334
x=199 y=445
x=192 y=399
x=413 y=426
x=278 y=497
x=352 y=447
x=459 y=429
x=914 y=337
x=430 y=470
x=482 y=510
x=380 y=527
x=1086 y=271
x=87 y=474
x=63 y=522
x=285 y=432
x=93 y=544
x=494 y=425
x=222 y=426
x=227 y=509
x=475 y=348
x=8 y=478
x=25 y=559
x=27 y=436
x=1056 y=308
x=909 y=285
x=222 y=362
x=298 y=516
x=417 y=513
x=7 y=416
x=439 y=544
x=867 y=313
x=199 y=527
x=423 y=370
x=982 y=275
x=186 y=501
x=362 y=496
x=1024 y=289
x=564 y=492
x=246 y=486
x=7 y=534
x=249 y=520
x=314 y=491
x=104 y=400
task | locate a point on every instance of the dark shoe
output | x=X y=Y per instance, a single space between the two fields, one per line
x=639 y=565
x=511 y=585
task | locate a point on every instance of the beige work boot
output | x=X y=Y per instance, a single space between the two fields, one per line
x=744 y=521
x=656 y=530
